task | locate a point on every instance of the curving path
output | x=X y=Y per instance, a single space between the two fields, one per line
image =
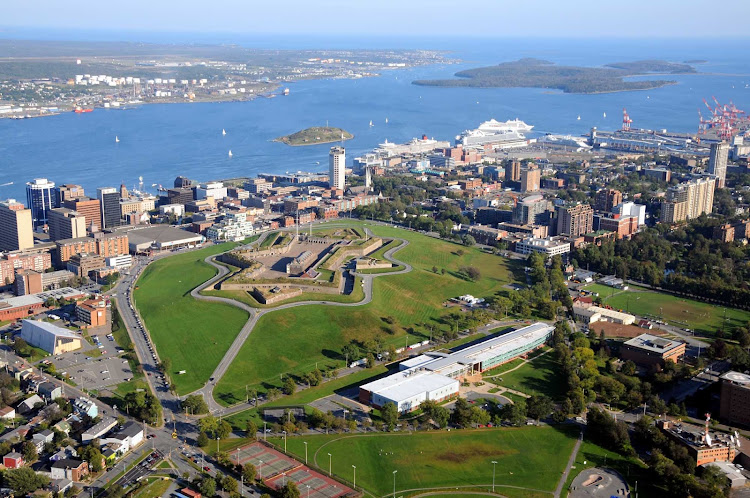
x=256 y=314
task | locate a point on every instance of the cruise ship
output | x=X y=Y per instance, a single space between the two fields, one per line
x=501 y=135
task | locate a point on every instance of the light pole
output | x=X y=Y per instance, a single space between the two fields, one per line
x=217 y=445
x=260 y=470
x=494 y=463
x=308 y=490
x=284 y=432
x=355 y=476
x=394 y=483
x=305 y=443
x=330 y=466
x=264 y=430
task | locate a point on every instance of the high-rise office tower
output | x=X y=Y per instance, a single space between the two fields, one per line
x=40 y=197
x=16 y=226
x=575 y=220
x=90 y=208
x=717 y=162
x=336 y=168
x=68 y=192
x=109 y=198
x=65 y=223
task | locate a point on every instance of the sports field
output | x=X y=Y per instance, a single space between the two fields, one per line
x=194 y=334
x=527 y=457
x=704 y=318
x=293 y=340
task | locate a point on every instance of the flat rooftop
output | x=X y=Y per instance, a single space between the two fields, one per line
x=407 y=384
x=491 y=348
x=160 y=235
x=737 y=378
x=653 y=343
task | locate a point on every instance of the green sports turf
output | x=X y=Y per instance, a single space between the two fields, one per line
x=528 y=457
x=194 y=334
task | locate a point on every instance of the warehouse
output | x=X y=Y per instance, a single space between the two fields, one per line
x=161 y=238
x=435 y=376
x=49 y=337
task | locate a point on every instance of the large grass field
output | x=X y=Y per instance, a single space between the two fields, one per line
x=704 y=318
x=293 y=340
x=528 y=457
x=194 y=334
x=539 y=376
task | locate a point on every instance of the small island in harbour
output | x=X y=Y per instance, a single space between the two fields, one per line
x=315 y=135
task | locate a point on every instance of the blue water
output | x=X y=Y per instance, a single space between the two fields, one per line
x=160 y=142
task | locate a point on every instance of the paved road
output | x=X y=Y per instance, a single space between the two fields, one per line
x=255 y=315
x=571 y=461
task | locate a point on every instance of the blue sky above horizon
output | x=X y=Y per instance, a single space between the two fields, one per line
x=409 y=18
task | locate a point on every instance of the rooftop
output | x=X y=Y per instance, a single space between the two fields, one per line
x=737 y=378
x=653 y=343
x=160 y=234
x=407 y=384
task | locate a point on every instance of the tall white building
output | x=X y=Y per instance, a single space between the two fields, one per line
x=717 y=162
x=336 y=168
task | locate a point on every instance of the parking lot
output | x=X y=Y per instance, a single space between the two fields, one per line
x=94 y=366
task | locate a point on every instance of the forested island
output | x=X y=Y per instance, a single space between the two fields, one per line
x=536 y=73
x=315 y=135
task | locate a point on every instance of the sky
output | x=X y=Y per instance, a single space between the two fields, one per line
x=386 y=18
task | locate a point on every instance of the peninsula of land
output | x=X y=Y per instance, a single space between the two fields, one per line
x=315 y=135
x=536 y=73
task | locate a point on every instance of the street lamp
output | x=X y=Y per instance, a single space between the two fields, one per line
x=284 y=432
x=305 y=443
x=394 y=483
x=308 y=490
x=217 y=445
x=494 y=463
x=355 y=476
x=329 y=464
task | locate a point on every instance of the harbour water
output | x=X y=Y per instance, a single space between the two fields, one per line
x=160 y=142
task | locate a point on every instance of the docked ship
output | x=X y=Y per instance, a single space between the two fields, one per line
x=81 y=110
x=501 y=135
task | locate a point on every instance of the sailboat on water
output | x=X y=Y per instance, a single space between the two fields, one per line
x=386 y=120
x=230 y=153
x=371 y=123
x=579 y=117
x=605 y=114
x=223 y=131
x=117 y=140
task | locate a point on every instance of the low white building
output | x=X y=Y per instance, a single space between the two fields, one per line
x=593 y=314
x=550 y=247
x=175 y=209
x=215 y=190
x=408 y=389
x=234 y=227
x=122 y=262
x=124 y=440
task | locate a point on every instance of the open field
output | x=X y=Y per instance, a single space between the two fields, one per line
x=528 y=457
x=539 y=376
x=293 y=341
x=704 y=318
x=180 y=325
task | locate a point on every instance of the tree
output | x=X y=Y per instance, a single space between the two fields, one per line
x=539 y=407
x=514 y=413
x=195 y=404
x=461 y=415
x=289 y=386
x=229 y=484
x=249 y=472
x=28 y=450
x=251 y=430
x=629 y=368
x=20 y=346
x=208 y=487
x=24 y=480
x=472 y=272
x=202 y=439
x=370 y=360
x=350 y=352
x=289 y=490
x=389 y=414
x=166 y=365
x=223 y=430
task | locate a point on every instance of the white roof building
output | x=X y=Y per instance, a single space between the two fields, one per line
x=409 y=388
x=49 y=337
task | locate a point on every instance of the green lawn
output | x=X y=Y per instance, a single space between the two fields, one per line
x=631 y=468
x=239 y=420
x=157 y=487
x=528 y=457
x=292 y=341
x=194 y=334
x=539 y=376
x=704 y=318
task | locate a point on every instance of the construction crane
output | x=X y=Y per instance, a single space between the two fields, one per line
x=626 y=121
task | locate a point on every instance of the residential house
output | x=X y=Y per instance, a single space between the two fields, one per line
x=84 y=406
x=49 y=391
x=29 y=404
x=41 y=438
x=7 y=413
x=98 y=430
x=63 y=426
x=64 y=453
x=124 y=440
x=13 y=460
x=70 y=468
